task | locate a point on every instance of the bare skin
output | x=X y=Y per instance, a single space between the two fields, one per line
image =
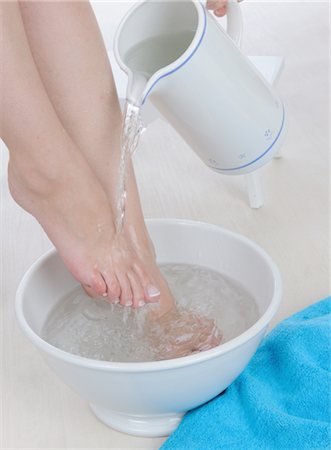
x=62 y=128
x=183 y=334
x=89 y=108
x=217 y=6
x=51 y=178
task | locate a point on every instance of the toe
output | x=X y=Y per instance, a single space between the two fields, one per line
x=89 y=291
x=138 y=293
x=126 y=298
x=113 y=287
x=97 y=286
x=151 y=291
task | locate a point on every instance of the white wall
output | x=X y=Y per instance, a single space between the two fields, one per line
x=109 y=14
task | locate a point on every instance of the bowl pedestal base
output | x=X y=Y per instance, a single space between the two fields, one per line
x=154 y=425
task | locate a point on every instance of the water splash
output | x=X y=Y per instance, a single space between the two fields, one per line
x=131 y=130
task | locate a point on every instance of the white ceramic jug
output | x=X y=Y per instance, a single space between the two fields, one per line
x=177 y=55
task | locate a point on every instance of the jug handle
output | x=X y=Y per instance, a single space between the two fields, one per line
x=234 y=22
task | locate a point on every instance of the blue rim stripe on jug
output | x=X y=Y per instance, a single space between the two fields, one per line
x=186 y=60
x=262 y=154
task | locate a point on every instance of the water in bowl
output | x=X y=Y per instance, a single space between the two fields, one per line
x=98 y=330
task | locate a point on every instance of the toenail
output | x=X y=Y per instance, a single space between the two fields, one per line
x=116 y=301
x=141 y=303
x=128 y=303
x=153 y=291
x=104 y=294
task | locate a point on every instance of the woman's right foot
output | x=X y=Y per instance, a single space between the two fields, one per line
x=180 y=333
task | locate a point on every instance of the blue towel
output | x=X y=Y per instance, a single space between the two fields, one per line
x=280 y=401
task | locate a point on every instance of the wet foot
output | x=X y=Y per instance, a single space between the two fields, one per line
x=183 y=334
x=74 y=211
x=137 y=237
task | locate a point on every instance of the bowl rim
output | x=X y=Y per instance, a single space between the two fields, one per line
x=150 y=366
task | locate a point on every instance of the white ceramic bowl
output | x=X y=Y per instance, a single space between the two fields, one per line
x=150 y=398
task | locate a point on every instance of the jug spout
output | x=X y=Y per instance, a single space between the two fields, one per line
x=155 y=40
x=136 y=86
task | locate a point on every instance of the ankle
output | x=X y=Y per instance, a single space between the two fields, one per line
x=139 y=237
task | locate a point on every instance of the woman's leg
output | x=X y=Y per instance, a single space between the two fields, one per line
x=50 y=178
x=71 y=58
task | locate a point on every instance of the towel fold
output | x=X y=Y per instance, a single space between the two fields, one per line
x=280 y=401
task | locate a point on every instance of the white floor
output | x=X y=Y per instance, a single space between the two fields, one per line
x=38 y=411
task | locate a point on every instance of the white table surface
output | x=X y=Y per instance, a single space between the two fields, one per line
x=38 y=410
